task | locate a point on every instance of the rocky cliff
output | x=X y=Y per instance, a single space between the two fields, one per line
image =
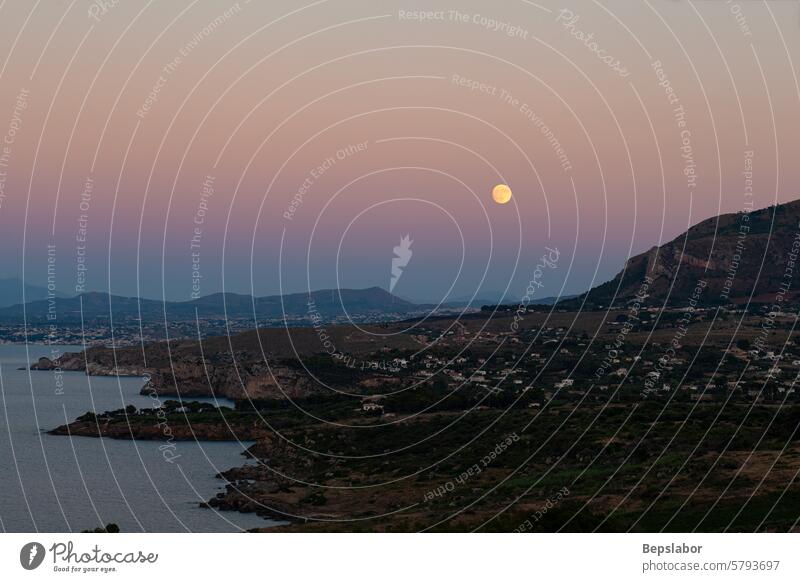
x=246 y=380
x=242 y=378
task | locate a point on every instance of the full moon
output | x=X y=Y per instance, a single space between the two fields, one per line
x=501 y=194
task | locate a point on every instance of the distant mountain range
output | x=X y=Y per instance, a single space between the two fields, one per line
x=327 y=304
x=732 y=258
x=94 y=307
x=11 y=292
x=739 y=257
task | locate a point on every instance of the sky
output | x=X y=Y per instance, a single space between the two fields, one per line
x=179 y=148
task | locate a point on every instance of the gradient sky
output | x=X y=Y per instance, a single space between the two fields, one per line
x=265 y=92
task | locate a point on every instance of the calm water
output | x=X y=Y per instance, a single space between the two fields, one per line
x=57 y=483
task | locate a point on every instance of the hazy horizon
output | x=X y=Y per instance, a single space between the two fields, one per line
x=307 y=143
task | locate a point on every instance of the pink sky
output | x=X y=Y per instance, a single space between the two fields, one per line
x=257 y=97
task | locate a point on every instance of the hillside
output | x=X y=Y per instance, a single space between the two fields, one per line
x=740 y=256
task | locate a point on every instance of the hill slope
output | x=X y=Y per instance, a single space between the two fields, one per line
x=737 y=255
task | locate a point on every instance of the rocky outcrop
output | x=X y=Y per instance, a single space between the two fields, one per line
x=153 y=431
x=238 y=382
x=69 y=362
x=94 y=369
x=264 y=488
x=246 y=377
x=76 y=362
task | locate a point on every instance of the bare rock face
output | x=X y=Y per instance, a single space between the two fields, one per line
x=94 y=369
x=237 y=382
x=279 y=382
x=245 y=377
x=76 y=362
x=69 y=362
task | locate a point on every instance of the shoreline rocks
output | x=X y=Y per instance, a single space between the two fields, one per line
x=192 y=377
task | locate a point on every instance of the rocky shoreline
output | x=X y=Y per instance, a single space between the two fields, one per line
x=263 y=489
x=250 y=488
x=243 y=485
x=76 y=362
x=175 y=423
x=193 y=377
x=155 y=432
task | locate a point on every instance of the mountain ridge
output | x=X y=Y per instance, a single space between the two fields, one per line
x=740 y=256
x=96 y=305
x=13 y=289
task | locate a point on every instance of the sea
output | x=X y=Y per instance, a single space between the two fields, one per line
x=54 y=483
